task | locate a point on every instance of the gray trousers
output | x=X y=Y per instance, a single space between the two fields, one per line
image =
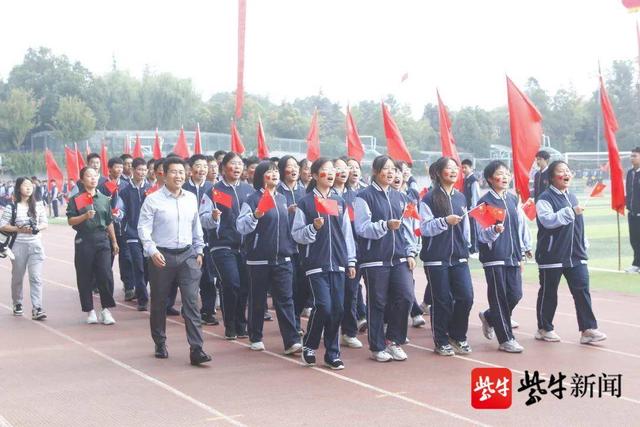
x=182 y=269
x=29 y=256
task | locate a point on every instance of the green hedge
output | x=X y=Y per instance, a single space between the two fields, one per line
x=26 y=164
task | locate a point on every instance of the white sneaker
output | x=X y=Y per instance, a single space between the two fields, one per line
x=488 y=332
x=632 y=269
x=362 y=325
x=514 y=324
x=296 y=348
x=549 y=336
x=107 y=318
x=92 y=319
x=306 y=312
x=351 y=342
x=257 y=346
x=511 y=346
x=381 y=356
x=592 y=335
x=396 y=352
x=417 y=321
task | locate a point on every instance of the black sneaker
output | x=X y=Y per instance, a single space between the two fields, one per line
x=17 y=309
x=197 y=356
x=172 y=312
x=161 y=351
x=230 y=334
x=38 y=314
x=309 y=356
x=335 y=364
x=243 y=333
x=129 y=295
x=209 y=319
x=143 y=307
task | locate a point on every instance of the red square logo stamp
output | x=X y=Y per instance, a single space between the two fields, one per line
x=491 y=388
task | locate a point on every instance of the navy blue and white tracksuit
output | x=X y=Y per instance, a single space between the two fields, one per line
x=383 y=261
x=361 y=307
x=562 y=250
x=326 y=254
x=471 y=192
x=501 y=255
x=445 y=251
x=540 y=182
x=132 y=199
x=207 y=280
x=269 y=246
x=225 y=246
x=633 y=215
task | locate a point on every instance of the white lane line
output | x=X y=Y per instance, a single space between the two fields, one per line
x=139 y=373
x=573 y=315
x=362 y=384
x=4 y=422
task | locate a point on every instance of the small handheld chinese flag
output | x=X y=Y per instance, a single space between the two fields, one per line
x=529 y=209
x=83 y=200
x=352 y=213
x=222 y=198
x=111 y=186
x=152 y=189
x=598 y=189
x=266 y=202
x=487 y=215
x=410 y=211
x=327 y=206
x=423 y=192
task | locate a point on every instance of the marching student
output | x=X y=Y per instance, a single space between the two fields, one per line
x=89 y=213
x=151 y=174
x=218 y=213
x=633 y=206
x=55 y=198
x=264 y=222
x=212 y=169
x=171 y=234
x=322 y=225
x=127 y=167
x=501 y=247
x=27 y=218
x=386 y=260
x=561 y=250
x=305 y=172
x=445 y=251
x=541 y=177
x=94 y=162
x=132 y=198
x=471 y=191
x=199 y=186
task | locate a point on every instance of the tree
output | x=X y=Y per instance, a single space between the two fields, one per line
x=74 y=120
x=17 y=115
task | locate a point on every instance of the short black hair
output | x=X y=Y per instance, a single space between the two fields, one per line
x=467 y=162
x=138 y=161
x=115 y=161
x=210 y=158
x=261 y=169
x=635 y=150
x=492 y=167
x=193 y=159
x=228 y=157
x=219 y=153
x=553 y=166
x=93 y=156
x=150 y=163
x=126 y=156
x=274 y=159
x=159 y=163
x=543 y=155
x=282 y=165
x=253 y=160
x=85 y=170
x=174 y=160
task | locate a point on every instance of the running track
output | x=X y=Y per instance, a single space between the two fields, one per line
x=63 y=372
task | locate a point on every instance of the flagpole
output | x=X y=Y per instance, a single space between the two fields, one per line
x=619 y=245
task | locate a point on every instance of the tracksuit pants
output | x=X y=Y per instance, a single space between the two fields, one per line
x=207 y=285
x=452 y=298
x=578 y=281
x=634 y=237
x=504 y=290
x=125 y=265
x=300 y=286
x=350 y=317
x=232 y=271
x=138 y=269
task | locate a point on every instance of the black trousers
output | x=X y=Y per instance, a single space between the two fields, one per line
x=93 y=269
x=634 y=236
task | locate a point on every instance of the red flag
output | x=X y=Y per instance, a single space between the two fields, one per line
x=111 y=186
x=79 y=158
x=352 y=213
x=354 y=144
x=126 y=146
x=396 y=147
x=423 y=192
x=137 y=149
x=615 y=165
x=157 y=152
x=197 y=145
x=598 y=189
x=529 y=208
x=526 y=135
x=447 y=142
x=263 y=150
x=313 y=139
x=236 y=143
x=155 y=187
x=103 y=160
x=266 y=202
x=242 y=19
x=181 y=148
x=410 y=211
x=417 y=232
x=487 y=215
x=327 y=206
x=222 y=198
x=71 y=160
x=53 y=170
x=87 y=148
x=83 y=200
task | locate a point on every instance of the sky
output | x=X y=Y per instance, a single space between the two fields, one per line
x=349 y=50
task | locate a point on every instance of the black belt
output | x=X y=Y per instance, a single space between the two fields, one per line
x=177 y=251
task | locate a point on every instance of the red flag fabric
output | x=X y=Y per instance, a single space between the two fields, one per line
x=126 y=146
x=137 y=149
x=529 y=208
x=71 y=161
x=263 y=150
x=526 y=136
x=181 y=148
x=352 y=213
x=83 y=200
x=236 y=143
x=487 y=215
x=197 y=145
x=615 y=164
x=242 y=19
x=103 y=160
x=313 y=139
x=155 y=187
x=53 y=170
x=423 y=192
x=354 y=144
x=266 y=202
x=447 y=142
x=79 y=158
x=87 y=148
x=598 y=189
x=222 y=198
x=410 y=211
x=396 y=148
x=112 y=186
x=157 y=152
x=327 y=206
